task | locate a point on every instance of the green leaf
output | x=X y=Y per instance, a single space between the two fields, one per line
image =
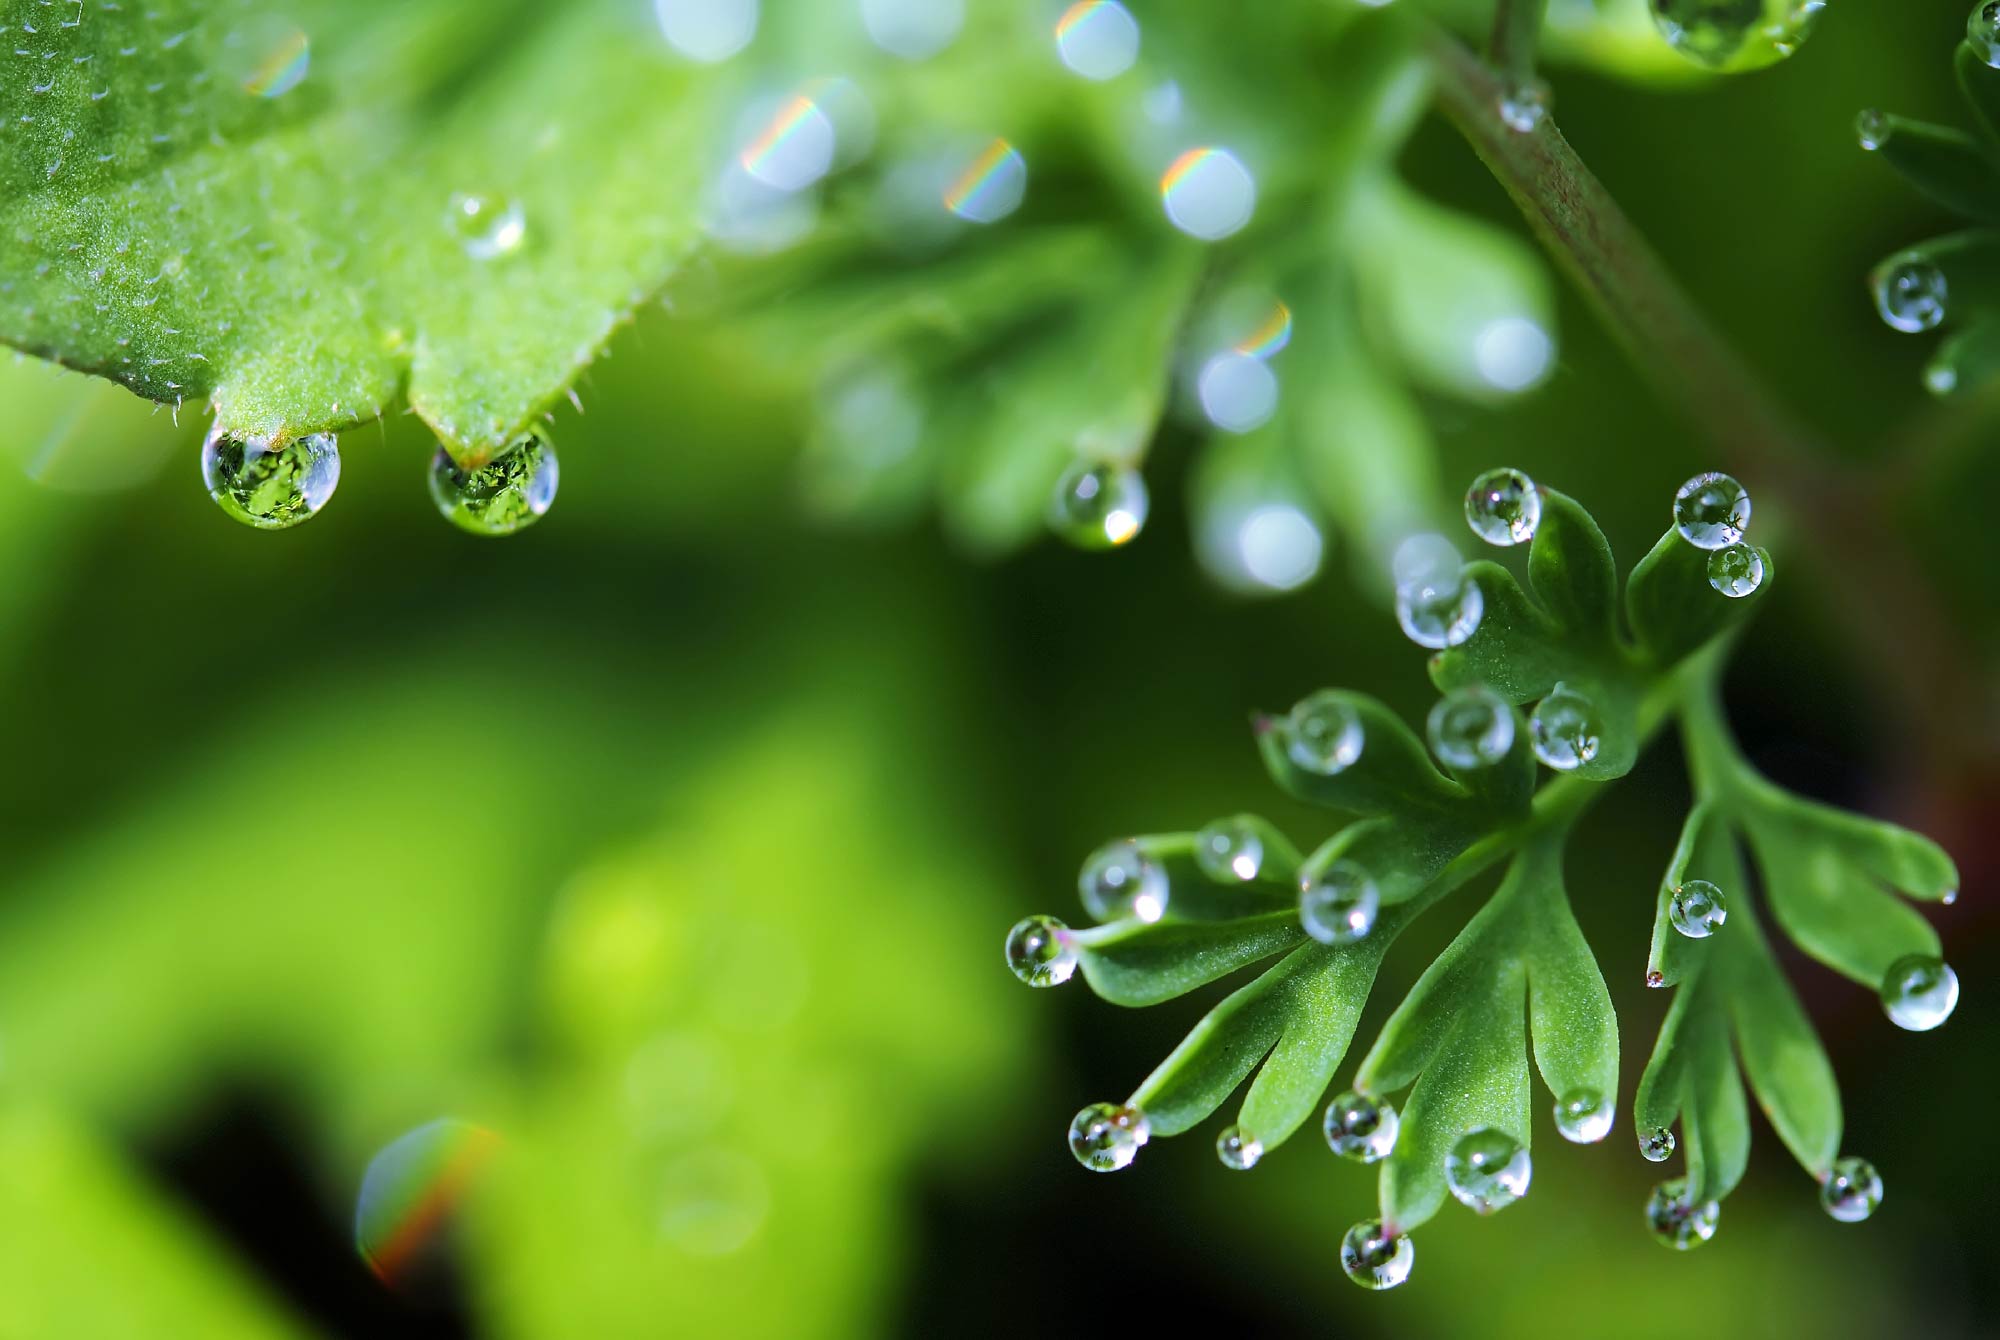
x=1781 y=1055
x=1947 y=165
x=1673 y=610
x=1131 y=963
x=1572 y=571
x=1198 y=1076
x=1515 y=651
x=1402 y=855
x=1833 y=910
x=1569 y=1008
x=1980 y=85
x=1706 y=850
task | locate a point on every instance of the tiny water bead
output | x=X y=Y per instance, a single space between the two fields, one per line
x=1238 y=392
x=1442 y=613
x=707 y=30
x=1361 y=1128
x=1106 y=1137
x=1911 y=295
x=1656 y=1145
x=486 y=227
x=1982 y=33
x=991 y=185
x=271 y=488
x=508 y=494
x=1503 y=507
x=1852 y=1190
x=1871 y=128
x=410 y=1195
x=1565 y=729
x=1736 y=570
x=1098 y=39
x=1099 y=506
x=1120 y=881
x=1470 y=727
x=1711 y=511
x=1208 y=193
x=1230 y=851
x=1919 y=992
x=1678 y=1221
x=1488 y=1170
x=1697 y=909
x=1373 y=1259
x=913 y=29
x=1323 y=733
x=1523 y=106
x=1338 y=906
x=1040 y=951
x=1238 y=1151
x=1584 y=1116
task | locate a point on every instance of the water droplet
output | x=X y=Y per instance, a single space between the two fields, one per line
x=1208 y=193
x=1871 y=128
x=913 y=29
x=1278 y=547
x=1040 y=951
x=1099 y=506
x=791 y=144
x=1584 y=1116
x=1488 y=1170
x=1098 y=39
x=1711 y=511
x=1677 y=1221
x=1120 y=881
x=1982 y=32
x=1565 y=729
x=1852 y=1190
x=1238 y=1152
x=1503 y=507
x=1710 y=32
x=1106 y=1136
x=1910 y=295
x=1339 y=904
x=1440 y=614
x=1425 y=559
x=271 y=56
x=1736 y=570
x=1471 y=727
x=507 y=494
x=990 y=186
x=487 y=228
x=1361 y=1128
x=1919 y=992
x=707 y=30
x=404 y=1217
x=1523 y=106
x=1656 y=1145
x=1697 y=909
x=1237 y=392
x=713 y=1201
x=1373 y=1259
x=1323 y=733
x=1512 y=353
x=1230 y=850
x=266 y=487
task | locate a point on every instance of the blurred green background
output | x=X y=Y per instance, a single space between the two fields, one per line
x=676 y=839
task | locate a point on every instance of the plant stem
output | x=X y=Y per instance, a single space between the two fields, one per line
x=1517 y=28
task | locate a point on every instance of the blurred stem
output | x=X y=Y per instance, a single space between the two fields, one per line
x=1517 y=28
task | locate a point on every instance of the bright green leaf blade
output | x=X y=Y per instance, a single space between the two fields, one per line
x=1199 y=1075
x=1130 y=963
x=1673 y=609
x=1569 y=1008
x=1835 y=912
x=1781 y=1054
x=1907 y=862
x=1402 y=856
x=1572 y=571
x=1715 y=1118
x=1515 y=651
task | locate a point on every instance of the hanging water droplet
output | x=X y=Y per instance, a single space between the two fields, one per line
x=1470 y=727
x=1361 y=1128
x=1339 y=904
x=1982 y=33
x=1871 y=128
x=1736 y=570
x=1040 y=951
x=268 y=487
x=1711 y=511
x=1910 y=295
x=1373 y=1259
x=1852 y=1190
x=1230 y=850
x=990 y=186
x=487 y=228
x=1565 y=729
x=913 y=29
x=1488 y=1170
x=1238 y=1152
x=1919 y=992
x=1697 y=909
x=1719 y=33
x=707 y=30
x=1107 y=1136
x=1208 y=193
x=1523 y=106
x=406 y=1213
x=507 y=494
x=1098 y=39
x=1436 y=615
x=1120 y=881
x=1503 y=507
x=1677 y=1221
x=1584 y=1116
x=1099 y=506
x=1237 y=391
x=1323 y=733
x=1656 y=1145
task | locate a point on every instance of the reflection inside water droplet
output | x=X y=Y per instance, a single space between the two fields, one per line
x=1697 y=909
x=1911 y=295
x=486 y=227
x=1919 y=992
x=1120 y=881
x=1584 y=1116
x=1678 y=1222
x=1099 y=506
x=1230 y=850
x=1503 y=507
x=1238 y=1150
x=507 y=494
x=1040 y=951
x=1471 y=727
x=1373 y=1259
x=1565 y=729
x=1736 y=571
x=1361 y=1128
x=1339 y=905
x=1488 y=1170
x=266 y=487
x=1712 y=511
x=1106 y=1137
x=1851 y=1191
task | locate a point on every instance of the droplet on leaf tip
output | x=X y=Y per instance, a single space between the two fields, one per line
x=1323 y=734
x=1919 y=992
x=1470 y=728
x=1911 y=295
x=1735 y=571
x=1503 y=507
x=1099 y=505
x=1040 y=951
x=1238 y=1150
x=1871 y=128
x=1851 y=1190
x=1374 y=1259
x=1584 y=1116
x=1361 y=1127
x=1678 y=1222
x=1487 y=1170
x=270 y=488
x=1656 y=1145
x=1697 y=909
x=502 y=497
x=1106 y=1137
x=1120 y=881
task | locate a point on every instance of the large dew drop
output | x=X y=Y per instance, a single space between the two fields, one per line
x=1584 y=1116
x=1338 y=905
x=1437 y=615
x=1120 y=881
x=1736 y=571
x=1656 y=1145
x=1711 y=511
x=1106 y=1137
x=1230 y=851
x=1208 y=193
x=1323 y=734
x=1373 y=1259
x=1677 y=1221
x=1361 y=1128
x=1503 y=507
x=1736 y=34
x=1471 y=727
x=1851 y=1191
x=1565 y=729
x=1238 y=1150
x=1040 y=951
x=508 y=494
x=1099 y=506
x=1910 y=295
x=410 y=1197
x=1098 y=39
x=1488 y=1170
x=1697 y=909
x=271 y=488
x=1919 y=992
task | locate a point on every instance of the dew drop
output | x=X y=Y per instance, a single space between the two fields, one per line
x=1677 y=1221
x=1871 y=128
x=1120 y=881
x=1040 y=951
x=990 y=186
x=1709 y=32
x=1361 y=1128
x=1852 y=1190
x=1230 y=851
x=1471 y=727
x=1584 y=1116
x=1488 y=1170
x=1323 y=733
x=1910 y=295
x=1503 y=507
x=1338 y=905
x=1099 y=506
x=1440 y=614
x=1238 y=1151
x=1656 y=1145
x=1278 y=547
x=1982 y=32
x=1523 y=106
x=1736 y=570
x=1106 y=1137
x=707 y=30
x=1711 y=511
x=508 y=494
x=1565 y=729
x=486 y=227
x=266 y=487
x=792 y=145
x=1208 y=193
x=410 y=1194
x=1697 y=909
x=1512 y=353
x=913 y=29
x=1238 y=392
x=1373 y=1259
x=1098 y=39
x=1919 y=992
